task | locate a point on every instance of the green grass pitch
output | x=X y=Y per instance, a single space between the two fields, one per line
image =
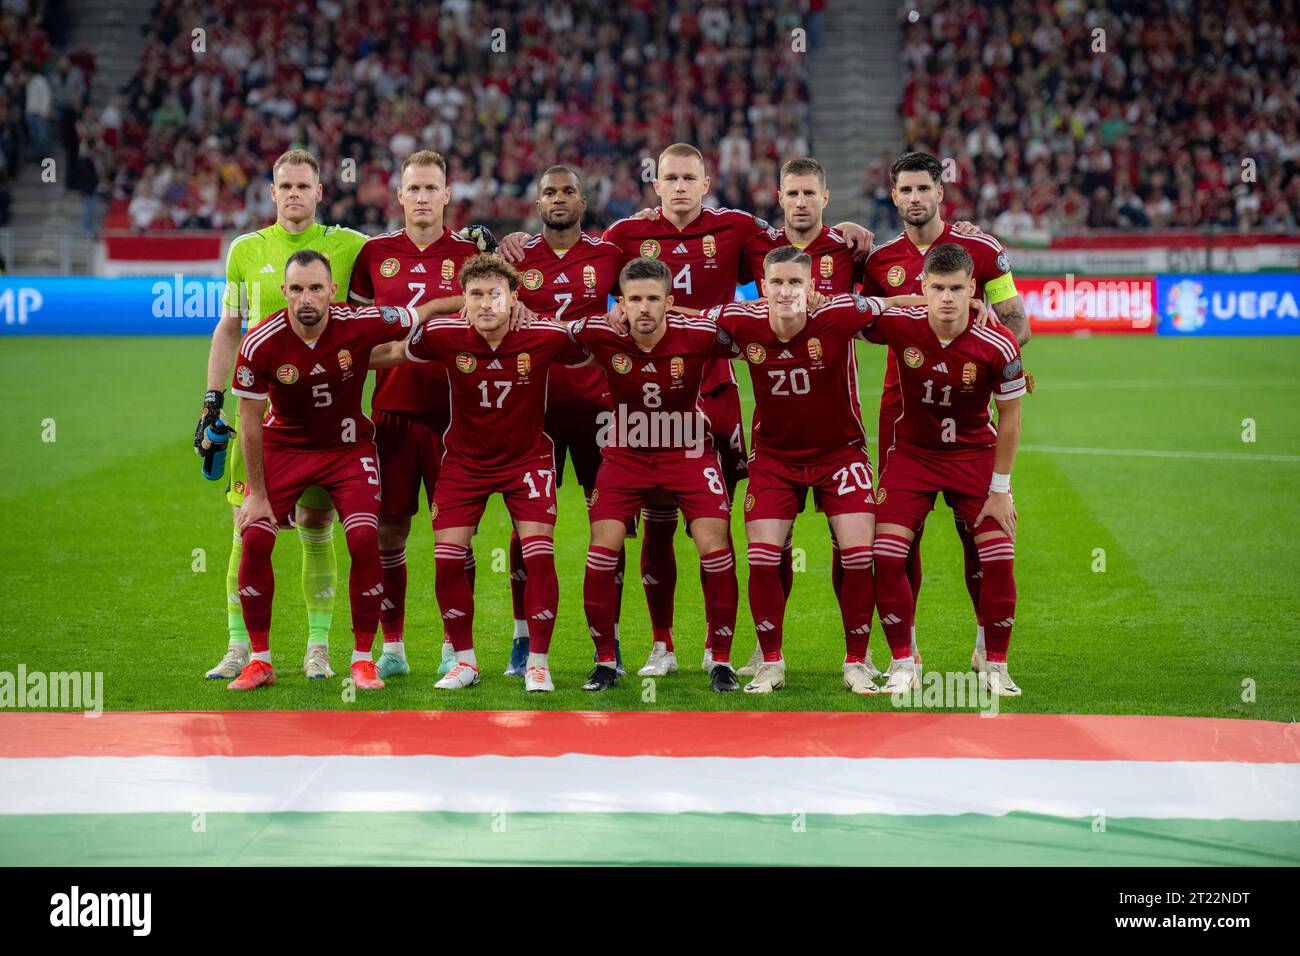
x=1195 y=613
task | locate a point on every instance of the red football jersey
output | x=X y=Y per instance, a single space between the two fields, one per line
x=498 y=392
x=646 y=384
x=945 y=389
x=833 y=268
x=315 y=390
x=894 y=268
x=805 y=388
x=575 y=285
x=392 y=270
x=706 y=257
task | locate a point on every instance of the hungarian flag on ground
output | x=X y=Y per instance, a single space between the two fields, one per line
x=311 y=788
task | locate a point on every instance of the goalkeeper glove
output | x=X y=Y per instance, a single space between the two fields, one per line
x=481 y=236
x=212 y=402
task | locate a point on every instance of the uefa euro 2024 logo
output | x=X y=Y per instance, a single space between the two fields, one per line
x=1185 y=306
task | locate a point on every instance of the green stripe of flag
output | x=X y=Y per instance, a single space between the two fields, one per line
x=170 y=839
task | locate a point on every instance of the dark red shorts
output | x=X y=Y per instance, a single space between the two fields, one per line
x=410 y=453
x=913 y=478
x=350 y=475
x=573 y=429
x=728 y=430
x=627 y=479
x=778 y=489
x=891 y=406
x=463 y=492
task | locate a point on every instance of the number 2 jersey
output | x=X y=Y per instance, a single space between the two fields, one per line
x=498 y=392
x=315 y=389
x=945 y=389
x=806 y=388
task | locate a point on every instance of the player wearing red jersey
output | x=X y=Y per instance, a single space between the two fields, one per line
x=311 y=361
x=895 y=267
x=495 y=444
x=570 y=274
x=416 y=267
x=657 y=442
x=806 y=434
x=945 y=441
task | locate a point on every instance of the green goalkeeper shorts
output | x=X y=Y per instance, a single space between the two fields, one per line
x=313 y=497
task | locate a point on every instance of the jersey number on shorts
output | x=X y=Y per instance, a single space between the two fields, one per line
x=371 y=469
x=544 y=474
x=715 y=481
x=858 y=473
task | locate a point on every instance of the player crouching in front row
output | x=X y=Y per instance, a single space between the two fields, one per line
x=310 y=360
x=944 y=441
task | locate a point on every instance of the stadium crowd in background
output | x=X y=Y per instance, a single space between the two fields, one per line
x=1050 y=131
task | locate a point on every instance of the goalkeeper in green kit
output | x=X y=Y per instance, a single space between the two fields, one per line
x=255 y=266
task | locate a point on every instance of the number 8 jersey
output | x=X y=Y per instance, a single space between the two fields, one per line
x=315 y=389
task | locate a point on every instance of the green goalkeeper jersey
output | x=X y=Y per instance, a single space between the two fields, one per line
x=255 y=265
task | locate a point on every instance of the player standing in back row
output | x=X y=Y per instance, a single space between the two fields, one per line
x=255 y=265
x=896 y=268
x=310 y=359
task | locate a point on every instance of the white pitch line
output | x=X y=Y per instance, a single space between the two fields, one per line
x=1157 y=453
x=1102 y=384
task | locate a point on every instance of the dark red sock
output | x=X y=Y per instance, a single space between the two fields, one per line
x=541 y=591
x=787 y=564
x=659 y=566
x=392 y=609
x=721 y=595
x=455 y=599
x=366 y=578
x=766 y=599
x=857 y=601
x=894 y=594
x=518 y=578
x=471 y=567
x=837 y=569
x=619 y=571
x=998 y=595
x=914 y=569
x=598 y=595
x=973 y=570
x=257 y=583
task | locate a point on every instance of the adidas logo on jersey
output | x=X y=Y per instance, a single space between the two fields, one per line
x=419 y=267
x=680 y=250
x=648 y=367
x=941 y=367
x=785 y=353
x=494 y=365
x=318 y=370
x=267 y=268
x=561 y=279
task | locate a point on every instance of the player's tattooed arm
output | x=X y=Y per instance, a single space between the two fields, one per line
x=858 y=238
x=255 y=506
x=999 y=505
x=1011 y=313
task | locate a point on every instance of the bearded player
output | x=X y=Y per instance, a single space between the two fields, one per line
x=310 y=360
x=255 y=277
x=657 y=441
x=944 y=441
x=895 y=268
x=569 y=274
x=415 y=267
x=496 y=444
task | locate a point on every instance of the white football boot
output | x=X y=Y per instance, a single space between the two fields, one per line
x=228 y=667
x=753 y=664
x=770 y=677
x=707 y=664
x=859 y=679
x=317 y=662
x=902 y=676
x=977 y=661
x=994 y=676
x=537 y=678
x=660 y=663
x=462 y=675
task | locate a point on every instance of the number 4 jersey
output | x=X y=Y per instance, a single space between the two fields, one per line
x=315 y=388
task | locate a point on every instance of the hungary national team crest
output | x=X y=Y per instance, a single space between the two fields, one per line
x=896 y=276
x=827 y=266
x=448 y=268
x=621 y=363
x=650 y=249
x=589 y=276
x=710 y=246
x=389 y=268
x=815 y=349
x=524 y=363
x=968 y=372
x=880 y=496
x=532 y=279
x=466 y=362
x=749 y=502
x=755 y=353
x=433 y=510
x=677 y=367
x=914 y=357
x=288 y=374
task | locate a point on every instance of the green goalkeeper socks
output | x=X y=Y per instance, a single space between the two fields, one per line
x=234 y=613
x=320 y=577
